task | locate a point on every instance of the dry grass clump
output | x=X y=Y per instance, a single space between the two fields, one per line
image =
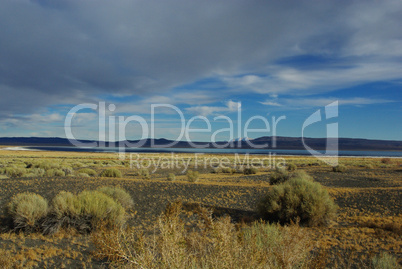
x=26 y=210
x=299 y=198
x=119 y=195
x=111 y=172
x=192 y=176
x=88 y=171
x=391 y=226
x=212 y=244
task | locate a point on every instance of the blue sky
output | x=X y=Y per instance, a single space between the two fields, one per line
x=276 y=58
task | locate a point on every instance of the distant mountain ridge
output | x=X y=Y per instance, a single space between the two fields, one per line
x=264 y=142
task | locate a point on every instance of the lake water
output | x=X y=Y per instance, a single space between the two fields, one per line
x=369 y=153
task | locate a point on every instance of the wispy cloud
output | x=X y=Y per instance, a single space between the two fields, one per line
x=299 y=103
x=230 y=106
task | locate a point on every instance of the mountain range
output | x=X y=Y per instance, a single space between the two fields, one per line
x=265 y=142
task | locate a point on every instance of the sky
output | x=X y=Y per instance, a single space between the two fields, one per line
x=217 y=66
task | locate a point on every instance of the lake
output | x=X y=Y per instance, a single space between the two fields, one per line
x=357 y=153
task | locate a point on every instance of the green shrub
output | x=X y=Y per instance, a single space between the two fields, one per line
x=279 y=176
x=67 y=170
x=102 y=209
x=46 y=165
x=111 y=172
x=291 y=167
x=144 y=173
x=250 y=170
x=26 y=209
x=385 y=261
x=192 y=176
x=298 y=199
x=65 y=204
x=83 y=212
x=227 y=170
x=339 y=168
x=82 y=175
x=39 y=172
x=216 y=170
x=301 y=174
x=171 y=177
x=119 y=195
x=88 y=171
x=55 y=172
x=14 y=172
x=77 y=165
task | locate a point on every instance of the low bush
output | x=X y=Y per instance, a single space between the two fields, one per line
x=111 y=172
x=279 y=176
x=46 y=165
x=250 y=170
x=39 y=172
x=386 y=160
x=144 y=173
x=88 y=171
x=291 y=167
x=67 y=170
x=171 y=177
x=77 y=165
x=216 y=170
x=192 y=176
x=14 y=172
x=102 y=209
x=84 y=212
x=119 y=195
x=227 y=170
x=65 y=204
x=26 y=209
x=55 y=172
x=339 y=168
x=300 y=174
x=298 y=199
